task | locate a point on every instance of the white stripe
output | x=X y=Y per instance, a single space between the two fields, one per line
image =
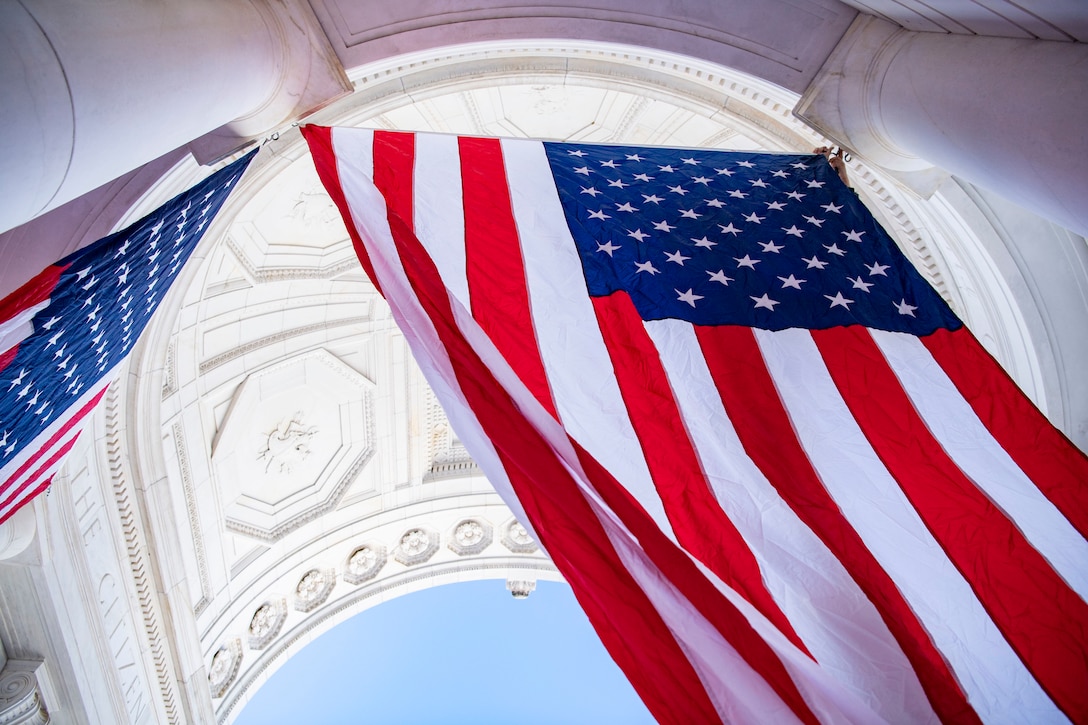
x=996 y=682
x=576 y=361
x=438 y=214
x=16 y=329
x=810 y=585
x=963 y=436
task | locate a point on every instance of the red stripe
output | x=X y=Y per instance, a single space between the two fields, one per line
x=494 y=265
x=33 y=479
x=623 y=617
x=1044 y=621
x=48 y=445
x=751 y=400
x=35 y=291
x=33 y=494
x=697 y=518
x=319 y=139
x=1056 y=466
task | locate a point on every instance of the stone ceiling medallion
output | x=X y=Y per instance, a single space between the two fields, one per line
x=293 y=441
x=416 y=546
x=267 y=622
x=470 y=536
x=364 y=563
x=517 y=538
x=224 y=667
x=314 y=588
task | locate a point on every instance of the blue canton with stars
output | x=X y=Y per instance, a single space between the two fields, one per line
x=735 y=238
x=100 y=305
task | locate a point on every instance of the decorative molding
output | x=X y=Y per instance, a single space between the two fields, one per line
x=224 y=667
x=170 y=370
x=314 y=588
x=21 y=700
x=268 y=275
x=266 y=622
x=247 y=559
x=416 y=546
x=236 y=352
x=470 y=536
x=195 y=528
x=138 y=557
x=521 y=588
x=364 y=563
x=517 y=538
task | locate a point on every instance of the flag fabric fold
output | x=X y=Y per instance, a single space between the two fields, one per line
x=65 y=333
x=784 y=481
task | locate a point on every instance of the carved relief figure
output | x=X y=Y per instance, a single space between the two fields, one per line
x=287 y=445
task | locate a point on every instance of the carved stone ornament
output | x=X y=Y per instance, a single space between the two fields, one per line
x=224 y=667
x=266 y=623
x=314 y=588
x=364 y=563
x=20 y=698
x=520 y=588
x=416 y=546
x=517 y=538
x=287 y=445
x=470 y=536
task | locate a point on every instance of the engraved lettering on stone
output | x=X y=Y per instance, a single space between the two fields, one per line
x=288 y=445
x=364 y=563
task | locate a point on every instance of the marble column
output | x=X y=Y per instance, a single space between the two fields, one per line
x=1004 y=114
x=90 y=91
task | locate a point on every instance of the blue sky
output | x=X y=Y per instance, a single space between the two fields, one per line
x=460 y=653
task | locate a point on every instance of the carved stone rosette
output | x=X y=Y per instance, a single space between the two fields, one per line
x=416 y=546
x=266 y=623
x=470 y=536
x=517 y=538
x=224 y=667
x=314 y=588
x=520 y=588
x=364 y=563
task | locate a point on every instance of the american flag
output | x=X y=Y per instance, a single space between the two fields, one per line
x=784 y=481
x=65 y=333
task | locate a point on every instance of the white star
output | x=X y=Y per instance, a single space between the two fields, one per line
x=664 y=226
x=798 y=165
x=19 y=380
x=839 y=301
x=50 y=322
x=814 y=263
x=860 y=284
x=610 y=164
x=678 y=190
x=11 y=448
x=652 y=199
x=814 y=220
x=815 y=184
x=53 y=340
x=618 y=183
x=83 y=273
x=791 y=281
x=771 y=247
x=599 y=214
x=716 y=203
x=833 y=208
x=4 y=440
x=607 y=248
x=747 y=261
x=877 y=268
x=775 y=206
x=904 y=308
x=701 y=180
x=633 y=157
x=796 y=195
x=592 y=191
x=729 y=229
x=584 y=170
x=834 y=249
x=738 y=194
x=764 y=302
x=853 y=236
x=60 y=351
x=689 y=214
x=578 y=152
x=91 y=282
x=704 y=242
x=643 y=177
x=759 y=183
x=626 y=206
x=688 y=296
x=691 y=161
x=754 y=218
x=123 y=249
x=647 y=267
x=64 y=363
x=794 y=231
x=719 y=276
x=677 y=257
x=87 y=302
x=638 y=235
x=726 y=172
x=666 y=167
x=746 y=164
